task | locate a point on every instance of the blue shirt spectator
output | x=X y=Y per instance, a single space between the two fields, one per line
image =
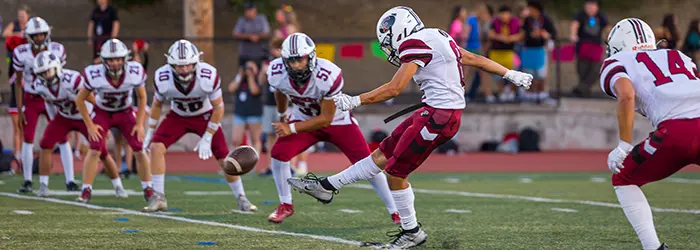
x=473 y=39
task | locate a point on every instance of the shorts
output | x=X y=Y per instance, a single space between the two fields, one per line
x=348 y=138
x=33 y=107
x=416 y=137
x=174 y=126
x=503 y=57
x=534 y=62
x=672 y=146
x=243 y=120
x=123 y=120
x=270 y=115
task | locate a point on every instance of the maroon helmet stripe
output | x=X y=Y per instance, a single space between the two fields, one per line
x=294 y=44
x=182 y=51
x=638 y=30
x=36 y=23
x=112 y=46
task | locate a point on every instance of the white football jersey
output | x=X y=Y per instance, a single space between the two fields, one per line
x=665 y=82
x=440 y=74
x=23 y=59
x=62 y=96
x=325 y=82
x=193 y=99
x=114 y=96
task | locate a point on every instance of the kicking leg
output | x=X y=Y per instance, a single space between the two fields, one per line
x=67 y=161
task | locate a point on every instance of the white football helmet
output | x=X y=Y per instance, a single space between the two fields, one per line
x=630 y=34
x=114 y=48
x=395 y=25
x=295 y=47
x=35 y=26
x=47 y=67
x=181 y=53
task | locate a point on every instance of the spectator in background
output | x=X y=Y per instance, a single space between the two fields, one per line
x=538 y=29
x=504 y=33
x=248 y=106
x=103 y=25
x=457 y=26
x=253 y=30
x=478 y=25
x=691 y=43
x=14 y=36
x=287 y=21
x=668 y=33
x=139 y=52
x=587 y=31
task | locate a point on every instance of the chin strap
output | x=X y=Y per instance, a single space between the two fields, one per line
x=660 y=41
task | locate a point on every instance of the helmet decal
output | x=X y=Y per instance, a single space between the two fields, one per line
x=387 y=23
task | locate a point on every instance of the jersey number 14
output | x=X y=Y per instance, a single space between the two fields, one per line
x=676 y=66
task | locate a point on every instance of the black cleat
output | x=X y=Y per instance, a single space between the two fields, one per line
x=72 y=187
x=26 y=187
x=663 y=247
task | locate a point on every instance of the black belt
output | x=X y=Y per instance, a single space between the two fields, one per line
x=407 y=110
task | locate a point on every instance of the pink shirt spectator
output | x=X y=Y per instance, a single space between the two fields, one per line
x=457 y=31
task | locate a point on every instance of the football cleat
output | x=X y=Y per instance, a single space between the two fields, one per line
x=147 y=193
x=663 y=247
x=43 y=190
x=26 y=187
x=85 y=195
x=396 y=218
x=72 y=187
x=120 y=192
x=405 y=239
x=245 y=205
x=311 y=185
x=283 y=211
x=158 y=203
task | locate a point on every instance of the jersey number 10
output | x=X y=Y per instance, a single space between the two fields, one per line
x=676 y=66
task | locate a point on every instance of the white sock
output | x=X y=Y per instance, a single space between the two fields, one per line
x=237 y=188
x=381 y=187
x=117 y=182
x=44 y=179
x=86 y=186
x=404 y=203
x=158 y=183
x=27 y=160
x=361 y=170
x=67 y=161
x=281 y=172
x=145 y=184
x=638 y=212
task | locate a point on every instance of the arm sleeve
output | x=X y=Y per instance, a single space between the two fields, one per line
x=415 y=51
x=611 y=71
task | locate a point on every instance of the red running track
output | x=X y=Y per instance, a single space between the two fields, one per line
x=557 y=161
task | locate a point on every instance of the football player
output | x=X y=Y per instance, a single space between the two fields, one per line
x=196 y=106
x=433 y=59
x=311 y=83
x=59 y=87
x=113 y=83
x=31 y=105
x=664 y=86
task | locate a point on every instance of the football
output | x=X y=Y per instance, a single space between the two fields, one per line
x=240 y=161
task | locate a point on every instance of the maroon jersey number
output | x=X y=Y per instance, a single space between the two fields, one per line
x=676 y=66
x=190 y=107
x=116 y=100
x=308 y=108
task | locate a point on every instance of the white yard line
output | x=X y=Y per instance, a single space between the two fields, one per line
x=530 y=198
x=683 y=180
x=458 y=211
x=182 y=219
x=22 y=212
x=349 y=211
x=566 y=210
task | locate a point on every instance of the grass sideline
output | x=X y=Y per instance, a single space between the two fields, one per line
x=474 y=223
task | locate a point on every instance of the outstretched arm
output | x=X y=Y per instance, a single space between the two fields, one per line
x=483 y=63
x=392 y=88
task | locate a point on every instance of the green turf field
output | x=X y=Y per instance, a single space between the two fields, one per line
x=489 y=211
